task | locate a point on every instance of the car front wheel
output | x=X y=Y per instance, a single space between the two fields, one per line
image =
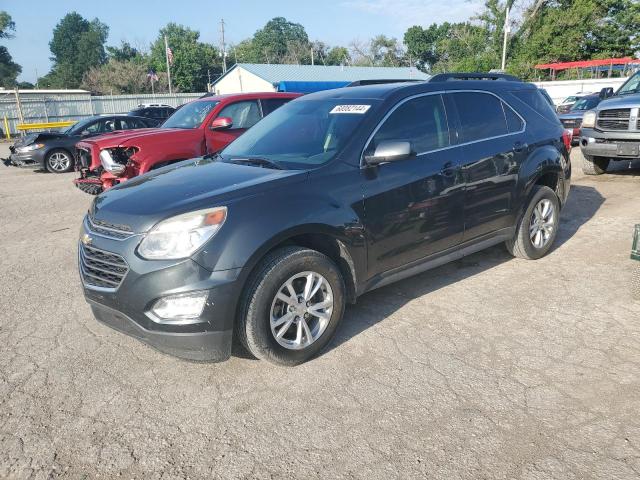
x=59 y=161
x=594 y=165
x=292 y=306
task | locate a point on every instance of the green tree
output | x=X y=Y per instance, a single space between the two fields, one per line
x=380 y=51
x=279 y=41
x=7 y=25
x=192 y=59
x=76 y=46
x=122 y=77
x=124 y=53
x=423 y=43
x=337 y=56
x=9 y=70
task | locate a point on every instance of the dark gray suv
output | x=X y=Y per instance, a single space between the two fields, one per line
x=330 y=196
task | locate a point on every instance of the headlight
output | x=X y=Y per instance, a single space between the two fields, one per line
x=30 y=148
x=180 y=236
x=589 y=119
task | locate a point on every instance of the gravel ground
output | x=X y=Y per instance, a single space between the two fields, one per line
x=489 y=367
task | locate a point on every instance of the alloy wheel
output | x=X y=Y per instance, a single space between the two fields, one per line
x=59 y=162
x=542 y=223
x=301 y=310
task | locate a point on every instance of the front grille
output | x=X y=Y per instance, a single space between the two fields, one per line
x=615 y=119
x=571 y=123
x=109 y=230
x=101 y=269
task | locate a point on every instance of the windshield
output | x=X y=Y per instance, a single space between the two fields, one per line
x=585 y=103
x=302 y=134
x=190 y=115
x=630 y=86
x=77 y=127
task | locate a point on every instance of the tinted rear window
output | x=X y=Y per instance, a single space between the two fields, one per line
x=535 y=100
x=481 y=115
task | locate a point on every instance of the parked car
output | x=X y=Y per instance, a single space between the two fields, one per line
x=611 y=130
x=568 y=102
x=334 y=194
x=572 y=120
x=155 y=112
x=198 y=128
x=53 y=151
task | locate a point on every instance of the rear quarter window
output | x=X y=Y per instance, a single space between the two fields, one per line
x=534 y=99
x=481 y=115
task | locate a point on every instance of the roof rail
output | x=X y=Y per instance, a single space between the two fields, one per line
x=445 y=77
x=376 y=81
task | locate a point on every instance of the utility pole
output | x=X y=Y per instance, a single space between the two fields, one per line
x=507 y=28
x=312 y=59
x=224 y=47
x=166 y=54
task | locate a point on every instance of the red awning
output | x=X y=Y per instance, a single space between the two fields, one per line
x=587 y=63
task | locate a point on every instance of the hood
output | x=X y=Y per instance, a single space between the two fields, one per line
x=622 y=101
x=191 y=185
x=38 y=137
x=126 y=138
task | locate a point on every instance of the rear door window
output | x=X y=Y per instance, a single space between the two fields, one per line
x=270 y=104
x=481 y=115
x=421 y=121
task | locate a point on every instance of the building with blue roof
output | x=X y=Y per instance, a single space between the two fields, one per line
x=255 y=77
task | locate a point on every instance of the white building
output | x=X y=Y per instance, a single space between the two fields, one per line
x=254 y=77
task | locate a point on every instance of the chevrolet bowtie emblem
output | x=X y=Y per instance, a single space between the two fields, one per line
x=86 y=239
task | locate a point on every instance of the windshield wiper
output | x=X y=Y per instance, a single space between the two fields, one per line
x=261 y=162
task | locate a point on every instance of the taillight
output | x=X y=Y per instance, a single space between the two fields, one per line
x=567 y=138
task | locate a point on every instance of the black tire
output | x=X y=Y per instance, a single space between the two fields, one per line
x=49 y=162
x=253 y=326
x=521 y=245
x=594 y=165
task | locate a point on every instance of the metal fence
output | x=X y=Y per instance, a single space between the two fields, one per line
x=44 y=107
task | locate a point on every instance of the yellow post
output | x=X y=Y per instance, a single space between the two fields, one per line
x=6 y=128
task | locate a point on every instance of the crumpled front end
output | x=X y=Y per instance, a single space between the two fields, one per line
x=102 y=168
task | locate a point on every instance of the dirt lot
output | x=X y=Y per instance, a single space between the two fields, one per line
x=489 y=367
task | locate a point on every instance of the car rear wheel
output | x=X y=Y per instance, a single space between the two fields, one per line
x=594 y=165
x=538 y=227
x=292 y=306
x=59 y=161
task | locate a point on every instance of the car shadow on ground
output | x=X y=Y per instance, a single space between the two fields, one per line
x=624 y=168
x=375 y=306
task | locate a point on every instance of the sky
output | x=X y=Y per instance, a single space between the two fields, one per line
x=335 y=22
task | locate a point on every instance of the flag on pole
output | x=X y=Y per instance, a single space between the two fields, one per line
x=152 y=75
x=169 y=56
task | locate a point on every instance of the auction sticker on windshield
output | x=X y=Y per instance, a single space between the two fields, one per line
x=350 y=109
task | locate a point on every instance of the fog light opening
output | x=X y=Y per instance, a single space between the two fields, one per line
x=180 y=308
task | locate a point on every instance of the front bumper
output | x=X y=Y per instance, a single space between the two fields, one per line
x=126 y=308
x=605 y=144
x=34 y=159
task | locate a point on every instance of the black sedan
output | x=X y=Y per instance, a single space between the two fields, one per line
x=53 y=151
x=572 y=120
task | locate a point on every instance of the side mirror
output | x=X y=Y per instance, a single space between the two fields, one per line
x=389 y=151
x=606 y=92
x=221 y=123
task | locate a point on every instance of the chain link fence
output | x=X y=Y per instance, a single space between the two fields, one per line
x=57 y=106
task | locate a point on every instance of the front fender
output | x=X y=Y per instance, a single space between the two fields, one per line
x=257 y=224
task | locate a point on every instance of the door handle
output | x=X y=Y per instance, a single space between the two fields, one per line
x=448 y=170
x=520 y=147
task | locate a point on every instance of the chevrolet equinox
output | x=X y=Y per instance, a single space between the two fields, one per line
x=332 y=195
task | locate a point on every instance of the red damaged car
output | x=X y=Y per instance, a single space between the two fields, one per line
x=198 y=128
